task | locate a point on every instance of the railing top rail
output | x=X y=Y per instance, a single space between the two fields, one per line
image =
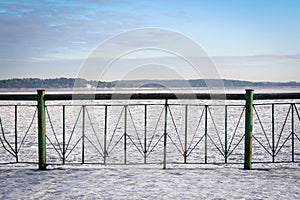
x=147 y=96
x=18 y=97
x=144 y=96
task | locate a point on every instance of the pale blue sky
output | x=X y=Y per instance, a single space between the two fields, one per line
x=251 y=40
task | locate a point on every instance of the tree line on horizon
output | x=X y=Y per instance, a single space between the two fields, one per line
x=83 y=83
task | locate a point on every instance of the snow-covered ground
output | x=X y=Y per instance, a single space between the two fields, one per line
x=266 y=181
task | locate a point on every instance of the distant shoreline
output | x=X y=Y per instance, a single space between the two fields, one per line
x=148 y=88
x=61 y=84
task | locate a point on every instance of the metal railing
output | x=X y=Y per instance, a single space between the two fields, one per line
x=162 y=130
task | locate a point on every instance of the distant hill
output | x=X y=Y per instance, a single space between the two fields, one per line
x=83 y=83
x=52 y=83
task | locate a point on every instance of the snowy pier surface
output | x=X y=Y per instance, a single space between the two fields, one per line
x=266 y=181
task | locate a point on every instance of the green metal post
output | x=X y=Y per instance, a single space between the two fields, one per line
x=226 y=143
x=248 y=129
x=16 y=133
x=205 y=134
x=64 y=134
x=83 y=133
x=125 y=135
x=145 y=136
x=165 y=135
x=105 y=134
x=41 y=129
x=293 y=134
x=185 y=133
x=273 y=133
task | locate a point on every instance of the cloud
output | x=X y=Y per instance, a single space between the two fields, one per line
x=34 y=29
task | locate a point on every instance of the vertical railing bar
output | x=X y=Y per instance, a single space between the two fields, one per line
x=64 y=135
x=16 y=133
x=165 y=135
x=273 y=133
x=125 y=134
x=83 y=134
x=293 y=134
x=145 y=135
x=225 y=130
x=105 y=133
x=185 y=133
x=205 y=133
